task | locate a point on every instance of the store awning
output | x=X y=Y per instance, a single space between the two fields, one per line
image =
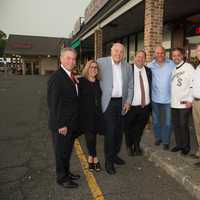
x=76 y=43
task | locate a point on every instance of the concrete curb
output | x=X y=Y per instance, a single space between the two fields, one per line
x=187 y=181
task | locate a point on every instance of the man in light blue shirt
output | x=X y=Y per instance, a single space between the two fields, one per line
x=161 y=68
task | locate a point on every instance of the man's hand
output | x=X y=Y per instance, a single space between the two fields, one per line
x=126 y=107
x=63 y=131
x=188 y=104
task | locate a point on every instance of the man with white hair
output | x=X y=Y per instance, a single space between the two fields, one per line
x=117 y=93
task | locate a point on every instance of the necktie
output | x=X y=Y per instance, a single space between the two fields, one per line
x=142 y=90
x=72 y=78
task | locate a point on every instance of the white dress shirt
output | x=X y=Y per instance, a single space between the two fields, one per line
x=69 y=74
x=137 y=91
x=196 y=83
x=117 y=79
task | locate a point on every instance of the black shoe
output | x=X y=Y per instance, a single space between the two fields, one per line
x=130 y=151
x=110 y=169
x=166 y=147
x=68 y=184
x=117 y=160
x=74 y=177
x=158 y=142
x=185 y=151
x=175 y=149
x=90 y=166
x=197 y=164
x=194 y=156
x=97 y=167
x=138 y=151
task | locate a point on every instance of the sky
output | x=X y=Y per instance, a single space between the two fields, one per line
x=54 y=18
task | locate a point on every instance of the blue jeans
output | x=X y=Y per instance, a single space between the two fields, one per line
x=161 y=116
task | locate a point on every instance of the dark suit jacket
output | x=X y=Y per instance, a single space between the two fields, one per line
x=149 y=77
x=62 y=101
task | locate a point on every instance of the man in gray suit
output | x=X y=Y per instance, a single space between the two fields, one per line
x=117 y=93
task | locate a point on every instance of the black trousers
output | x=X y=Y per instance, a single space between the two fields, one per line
x=63 y=146
x=113 y=129
x=180 y=119
x=91 y=142
x=134 y=123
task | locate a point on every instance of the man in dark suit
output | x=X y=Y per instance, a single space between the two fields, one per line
x=62 y=97
x=138 y=115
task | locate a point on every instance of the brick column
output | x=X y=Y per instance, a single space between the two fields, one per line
x=153 y=26
x=98 y=43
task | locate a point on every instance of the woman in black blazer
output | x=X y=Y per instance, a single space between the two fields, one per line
x=90 y=110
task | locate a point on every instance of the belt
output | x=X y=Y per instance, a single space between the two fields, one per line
x=196 y=99
x=116 y=98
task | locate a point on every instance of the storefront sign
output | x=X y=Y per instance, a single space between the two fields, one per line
x=93 y=8
x=21 y=46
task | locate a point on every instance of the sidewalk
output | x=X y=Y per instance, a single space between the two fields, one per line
x=179 y=167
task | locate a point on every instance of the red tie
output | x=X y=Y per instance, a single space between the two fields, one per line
x=142 y=90
x=72 y=78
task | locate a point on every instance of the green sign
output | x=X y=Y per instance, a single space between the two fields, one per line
x=76 y=43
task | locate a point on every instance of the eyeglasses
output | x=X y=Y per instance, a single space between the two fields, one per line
x=94 y=67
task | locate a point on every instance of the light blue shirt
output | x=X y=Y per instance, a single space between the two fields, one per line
x=161 y=81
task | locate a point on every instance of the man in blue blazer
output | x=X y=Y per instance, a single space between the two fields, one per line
x=117 y=94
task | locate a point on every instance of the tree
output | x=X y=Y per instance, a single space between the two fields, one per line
x=3 y=40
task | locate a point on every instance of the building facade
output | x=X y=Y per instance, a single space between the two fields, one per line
x=138 y=24
x=34 y=54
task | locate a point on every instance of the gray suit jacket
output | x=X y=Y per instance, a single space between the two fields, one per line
x=106 y=82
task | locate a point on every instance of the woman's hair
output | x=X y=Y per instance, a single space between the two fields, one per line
x=85 y=72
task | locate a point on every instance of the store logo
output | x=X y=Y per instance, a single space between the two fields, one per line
x=197 y=30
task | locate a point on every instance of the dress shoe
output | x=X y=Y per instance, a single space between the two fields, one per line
x=97 y=167
x=197 y=164
x=158 y=142
x=185 y=151
x=166 y=147
x=110 y=169
x=68 y=184
x=138 y=152
x=91 y=166
x=130 y=151
x=175 y=149
x=194 y=156
x=74 y=176
x=118 y=161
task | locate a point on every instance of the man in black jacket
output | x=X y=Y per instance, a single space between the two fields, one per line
x=138 y=115
x=62 y=97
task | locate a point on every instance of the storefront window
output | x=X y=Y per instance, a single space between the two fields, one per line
x=140 y=42
x=132 y=49
x=125 y=43
x=167 y=37
x=108 y=49
x=192 y=38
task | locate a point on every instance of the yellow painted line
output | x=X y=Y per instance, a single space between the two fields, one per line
x=94 y=188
